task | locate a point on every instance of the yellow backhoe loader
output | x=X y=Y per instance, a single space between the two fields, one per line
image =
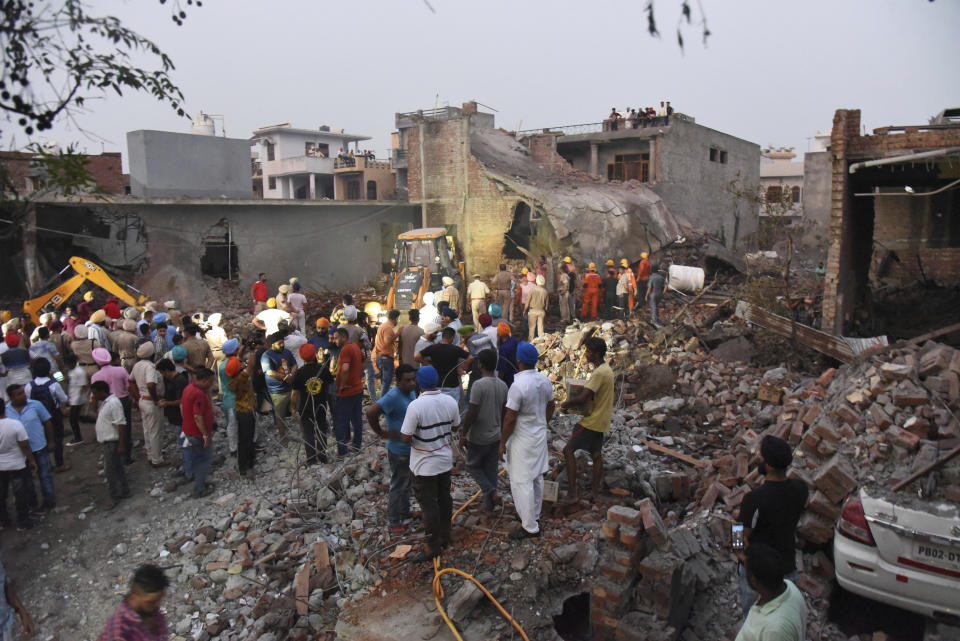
x=85 y=271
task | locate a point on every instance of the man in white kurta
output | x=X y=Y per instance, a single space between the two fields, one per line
x=523 y=446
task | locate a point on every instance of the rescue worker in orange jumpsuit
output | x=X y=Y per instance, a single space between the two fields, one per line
x=643 y=275
x=592 y=291
x=632 y=297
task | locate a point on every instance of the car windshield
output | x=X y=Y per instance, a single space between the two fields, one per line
x=416 y=253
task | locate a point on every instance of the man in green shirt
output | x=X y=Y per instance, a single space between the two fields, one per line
x=780 y=612
x=588 y=433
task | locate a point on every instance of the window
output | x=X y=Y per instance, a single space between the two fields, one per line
x=630 y=167
x=371 y=190
x=353 y=190
x=795 y=195
x=714 y=152
x=774 y=194
x=723 y=157
x=272 y=182
x=270 y=150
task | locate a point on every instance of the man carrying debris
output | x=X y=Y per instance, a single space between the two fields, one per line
x=481 y=426
x=592 y=290
x=536 y=308
x=394 y=405
x=426 y=428
x=477 y=293
x=656 y=288
x=501 y=289
x=780 y=611
x=588 y=432
x=139 y=617
x=523 y=443
x=770 y=513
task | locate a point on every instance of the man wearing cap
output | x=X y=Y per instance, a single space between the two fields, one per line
x=523 y=442
x=564 y=291
x=536 y=308
x=450 y=295
x=349 y=384
x=278 y=366
x=592 y=290
x=229 y=401
x=409 y=338
x=143 y=386
x=124 y=341
x=354 y=331
x=428 y=338
x=589 y=431
x=258 y=292
x=426 y=429
x=118 y=379
x=477 y=292
x=643 y=275
x=281 y=298
x=310 y=384
x=501 y=289
x=770 y=512
x=488 y=328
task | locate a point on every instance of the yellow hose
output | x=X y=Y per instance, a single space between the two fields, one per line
x=438 y=588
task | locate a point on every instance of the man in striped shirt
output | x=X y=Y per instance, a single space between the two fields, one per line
x=139 y=617
x=426 y=428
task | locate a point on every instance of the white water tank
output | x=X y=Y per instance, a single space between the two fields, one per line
x=685 y=278
x=202 y=125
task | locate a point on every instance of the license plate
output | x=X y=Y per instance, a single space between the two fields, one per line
x=938 y=555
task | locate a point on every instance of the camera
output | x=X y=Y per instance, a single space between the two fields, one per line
x=254 y=340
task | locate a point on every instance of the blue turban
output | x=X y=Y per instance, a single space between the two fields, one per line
x=450 y=313
x=230 y=347
x=427 y=377
x=160 y=318
x=495 y=310
x=179 y=353
x=527 y=354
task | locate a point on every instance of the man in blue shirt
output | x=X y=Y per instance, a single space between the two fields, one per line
x=36 y=421
x=278 y=365
x=393 y=405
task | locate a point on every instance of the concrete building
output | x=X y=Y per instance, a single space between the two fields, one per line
x=781 y=182
x=299 y=163
x=690 y=166
x=363 y=178
x=507 y=198
x=894 y=228
x=166 y=164
x=25 y=176
x=166 y=245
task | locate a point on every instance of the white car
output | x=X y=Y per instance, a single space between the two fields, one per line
x=901 y=550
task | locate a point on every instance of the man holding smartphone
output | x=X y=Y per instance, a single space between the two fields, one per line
x=770 y=513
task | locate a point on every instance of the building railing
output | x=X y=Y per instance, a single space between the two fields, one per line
x=360 y=162
x=605 y=125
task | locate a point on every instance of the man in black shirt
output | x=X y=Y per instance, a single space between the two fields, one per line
x=610 y=292
x=446 y=359
x=309 y=397
x=770 y=512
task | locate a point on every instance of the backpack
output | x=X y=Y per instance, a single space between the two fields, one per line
x=43 y=394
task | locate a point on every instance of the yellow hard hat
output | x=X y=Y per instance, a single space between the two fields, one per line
x=624 y=263
x=524 y=271
x=567 y=259
x=88 y=296
x=609 y=263
x=372 y=308
x=592 y=266
x=643 y=255
x=271 y=303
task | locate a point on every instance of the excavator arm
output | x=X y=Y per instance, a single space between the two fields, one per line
x=86 y=270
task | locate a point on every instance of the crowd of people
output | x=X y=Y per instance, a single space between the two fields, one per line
x=639 y=117
x=446 y=389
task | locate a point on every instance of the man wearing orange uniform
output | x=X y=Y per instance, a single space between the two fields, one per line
x=632 y=294
x=643 y=275
x=592 y=286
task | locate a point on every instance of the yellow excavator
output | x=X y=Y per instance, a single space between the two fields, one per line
x=85 y=271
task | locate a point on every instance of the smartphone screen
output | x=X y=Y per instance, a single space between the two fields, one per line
x=58 y=377
x=736 y=536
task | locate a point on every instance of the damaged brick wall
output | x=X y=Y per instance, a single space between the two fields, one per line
x=455 y=191
x=848 y=258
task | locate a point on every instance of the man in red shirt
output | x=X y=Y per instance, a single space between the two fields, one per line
x=258 y=291
x=347 y=411
x=197 y=413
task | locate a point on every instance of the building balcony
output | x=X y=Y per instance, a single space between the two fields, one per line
x=359 y=163
x=298 y=165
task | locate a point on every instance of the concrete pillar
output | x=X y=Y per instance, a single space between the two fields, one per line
x=653 y=162
x=313 y=186
x=594 y=159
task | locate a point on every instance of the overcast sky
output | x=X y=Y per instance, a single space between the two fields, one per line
x=771 y=72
